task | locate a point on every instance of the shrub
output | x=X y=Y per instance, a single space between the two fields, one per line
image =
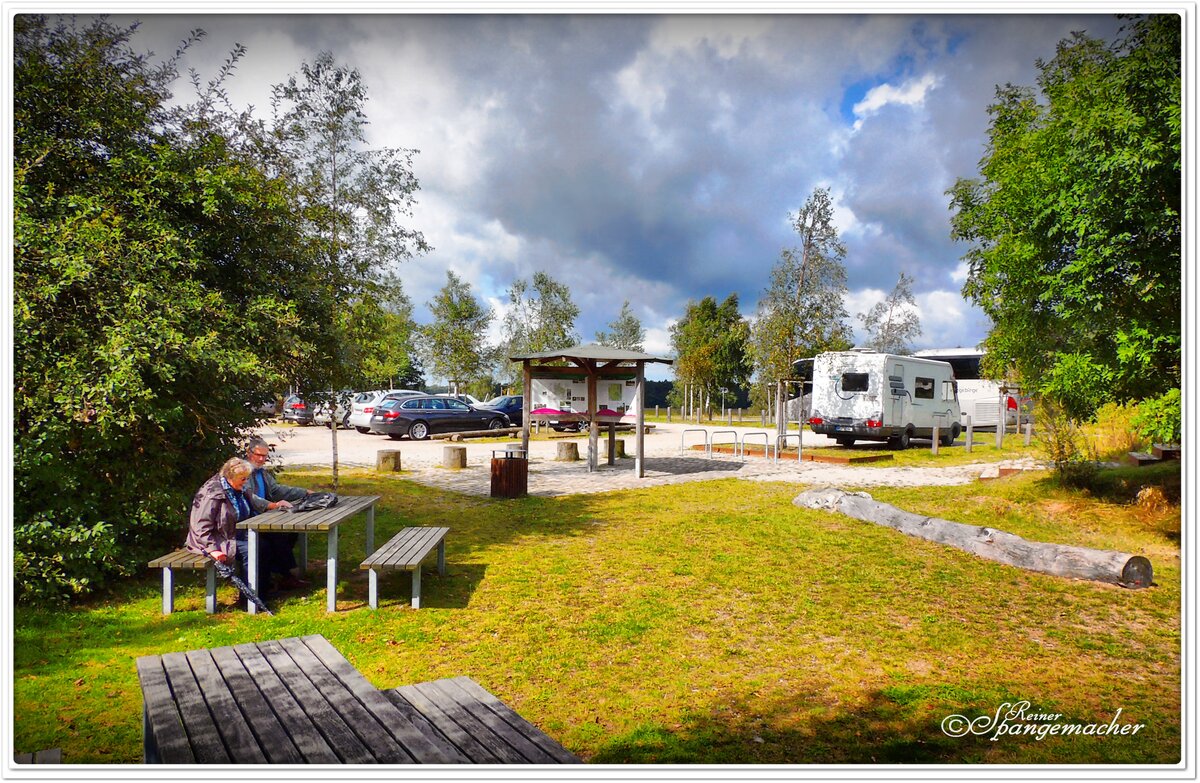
x=1073 y=458
x=1160 y=420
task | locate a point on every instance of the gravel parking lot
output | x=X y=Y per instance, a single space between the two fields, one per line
x=422 y=462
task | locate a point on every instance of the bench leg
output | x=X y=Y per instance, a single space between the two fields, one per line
x=373 y=588
x=302 y=566
x=252 y=567
x=149 y=745
x=331 y=572
x=442 y=557
x=168 y=604
x=416 y=587
x=210 y=590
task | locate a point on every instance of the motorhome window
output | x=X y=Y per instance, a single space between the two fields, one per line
x=949 y=391
x=924 y=388
x=854 y=381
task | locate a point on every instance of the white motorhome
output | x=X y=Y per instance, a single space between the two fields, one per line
x=980 y=398
x=864 y=395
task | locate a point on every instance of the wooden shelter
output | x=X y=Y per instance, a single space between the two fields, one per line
x=591 y=364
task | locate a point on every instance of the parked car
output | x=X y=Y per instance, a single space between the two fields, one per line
x=469 y=399
x=365 y=403
x=297 y=411
x=508 y=404
x=419 y=417
x=321 y=415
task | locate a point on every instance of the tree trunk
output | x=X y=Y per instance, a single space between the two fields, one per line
x=1119 y=568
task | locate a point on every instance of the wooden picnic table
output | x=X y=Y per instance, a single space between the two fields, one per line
x=299 y=701
x=305 y=522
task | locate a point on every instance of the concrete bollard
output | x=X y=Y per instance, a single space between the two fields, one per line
x=936 y=439
x=970 y=436
x=668 y=414
x=568 y=451
x=454 y=457
x=387 y=460
x=1028 y=433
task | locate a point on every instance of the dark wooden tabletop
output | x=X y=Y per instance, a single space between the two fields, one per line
x=282 y=520
x=286 y=701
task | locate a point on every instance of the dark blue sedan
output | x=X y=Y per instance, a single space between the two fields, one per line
x=508 y=404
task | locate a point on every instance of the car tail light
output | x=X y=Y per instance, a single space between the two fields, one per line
x=875 y=422
x=299 y=406
x=391 y=414
x=1012 y=403
x=816 y=420
x=369 y=410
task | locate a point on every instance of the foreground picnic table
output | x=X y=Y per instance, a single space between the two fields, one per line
x=305 y=522
x=298 y=701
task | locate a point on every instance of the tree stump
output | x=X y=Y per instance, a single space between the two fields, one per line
x=1075 y=562
x=618 y=447
x=568 y=451
x=387 y=460
x=454 y=457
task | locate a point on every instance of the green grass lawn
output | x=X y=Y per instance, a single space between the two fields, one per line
x=709 y=622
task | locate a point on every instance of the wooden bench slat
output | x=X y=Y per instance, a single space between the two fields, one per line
x=480 y=712
x=311 y=743
x=536 y=735
x=166 y=724
x=273 y=739
x=341 y=737
x=228 y=718
x=423 y=748
x=203 y=737
x=181 y=558
x=470 y=747
x=406 y=549
x=453 y=720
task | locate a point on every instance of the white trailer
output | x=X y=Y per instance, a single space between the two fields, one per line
x=979 y=397
x=864 y=395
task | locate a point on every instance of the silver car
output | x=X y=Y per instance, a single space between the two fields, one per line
x=365 y=403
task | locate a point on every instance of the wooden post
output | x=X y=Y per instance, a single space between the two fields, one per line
x=1000 y=423
x=593 y=425
x=527 y=402
x=639 y=439
x=387 y=460
x=1028 y=433
x=936 y=434
x=454 y=457
x=970 y=436
x=668 y=414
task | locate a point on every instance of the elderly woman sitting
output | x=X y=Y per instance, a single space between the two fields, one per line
x=218 y=506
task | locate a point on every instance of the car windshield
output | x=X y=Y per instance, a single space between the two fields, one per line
x=496 y=402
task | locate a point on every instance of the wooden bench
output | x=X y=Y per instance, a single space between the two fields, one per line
x=183 y=559
x=51 y=756
x=404 y=552
x=479 y=725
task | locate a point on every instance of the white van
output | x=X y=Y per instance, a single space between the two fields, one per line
x=864 y=395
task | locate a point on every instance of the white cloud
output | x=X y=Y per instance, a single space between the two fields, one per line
x=958 y=275
x=911 y=93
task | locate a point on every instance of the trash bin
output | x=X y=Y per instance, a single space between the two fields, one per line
x=510 y=473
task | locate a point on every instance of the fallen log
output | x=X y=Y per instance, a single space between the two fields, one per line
x=457 y=436
x=1118 y=568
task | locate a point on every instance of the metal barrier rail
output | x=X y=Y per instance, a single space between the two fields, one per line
x=783 y=438
x=712 y=441
x=707 y=444
x=766 y=444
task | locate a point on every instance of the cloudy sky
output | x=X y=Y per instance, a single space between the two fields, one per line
x=656 y=159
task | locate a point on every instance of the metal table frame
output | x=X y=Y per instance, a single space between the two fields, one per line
x=323 y=521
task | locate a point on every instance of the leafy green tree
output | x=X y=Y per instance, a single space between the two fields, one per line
x=148 y=320
x=384 y=334
x=1074 y=220
x=353 y=199
x=802 y=312
x=710 y=344
x=456 y=340
x=892 y=324
x=541 y=317
x=625 y=332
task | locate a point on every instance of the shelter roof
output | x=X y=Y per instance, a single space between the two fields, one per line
x=593 y=352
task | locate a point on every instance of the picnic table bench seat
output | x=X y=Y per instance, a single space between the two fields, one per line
x=404 y=552
x=483 y=728
x=185 y=560
x=49 y=756
x=299 y=701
